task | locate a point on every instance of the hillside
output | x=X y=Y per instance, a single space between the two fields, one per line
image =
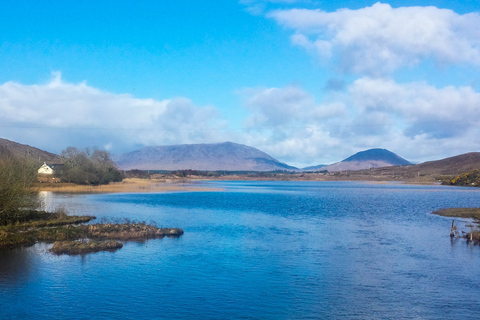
x=448 y=166
x=207 y=157
x=372 y=158
x=31 y=153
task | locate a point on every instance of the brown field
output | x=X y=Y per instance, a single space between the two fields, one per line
x=130 y=185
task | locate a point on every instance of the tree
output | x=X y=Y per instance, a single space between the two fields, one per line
x=87 y=167
x=17 y=176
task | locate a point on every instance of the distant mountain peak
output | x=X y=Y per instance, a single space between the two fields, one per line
x=372 y=158
x=205 y=156
x=378 y=154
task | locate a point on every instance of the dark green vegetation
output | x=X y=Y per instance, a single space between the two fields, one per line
x=89 y=167
x=470 y=179
x=41 y=226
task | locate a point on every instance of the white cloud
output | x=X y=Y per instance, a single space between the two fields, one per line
x=378 y=40
x=276 y=106
x=58 y=114
x=422 y=108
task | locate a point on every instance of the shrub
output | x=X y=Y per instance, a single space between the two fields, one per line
x=16 y=179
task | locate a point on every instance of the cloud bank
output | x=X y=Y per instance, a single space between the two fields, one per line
x=58 y=114
x=415 y=120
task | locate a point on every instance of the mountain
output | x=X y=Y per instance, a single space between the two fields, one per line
x=207 y=157
x=372 y=158
x=31 y=153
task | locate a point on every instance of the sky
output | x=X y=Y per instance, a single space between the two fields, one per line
x=308 y=82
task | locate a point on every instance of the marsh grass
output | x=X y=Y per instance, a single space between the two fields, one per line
x=84 y=247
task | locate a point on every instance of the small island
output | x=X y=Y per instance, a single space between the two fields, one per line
x=71 y=236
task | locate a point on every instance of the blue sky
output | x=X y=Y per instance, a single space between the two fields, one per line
x=309 y=82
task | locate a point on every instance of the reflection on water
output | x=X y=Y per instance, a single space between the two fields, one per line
x=15 y=266
x=45 y=200
x=275 y=250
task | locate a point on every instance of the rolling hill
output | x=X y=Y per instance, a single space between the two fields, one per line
x=31 y=153
x=448 y=166
x=206 y=157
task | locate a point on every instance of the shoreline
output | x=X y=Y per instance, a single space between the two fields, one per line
x=129 y=185
x=186 y=184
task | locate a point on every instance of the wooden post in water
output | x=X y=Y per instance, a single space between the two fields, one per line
x=453 y=229
x=471 y=231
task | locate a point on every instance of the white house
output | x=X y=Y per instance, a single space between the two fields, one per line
x=45 y=169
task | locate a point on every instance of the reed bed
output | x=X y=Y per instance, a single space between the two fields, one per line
x=129 y=185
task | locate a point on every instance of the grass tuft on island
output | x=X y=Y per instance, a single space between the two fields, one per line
x=471 y=213
x=71 y=237
x=84 y=247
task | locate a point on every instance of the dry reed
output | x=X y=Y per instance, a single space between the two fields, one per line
x=130 y=185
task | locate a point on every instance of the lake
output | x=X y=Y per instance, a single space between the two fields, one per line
x=259 y=250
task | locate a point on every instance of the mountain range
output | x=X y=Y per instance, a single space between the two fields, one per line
x=230 y=156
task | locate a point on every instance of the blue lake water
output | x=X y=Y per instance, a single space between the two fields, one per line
x=259 y=250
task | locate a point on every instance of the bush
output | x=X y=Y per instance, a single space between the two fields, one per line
x=471 y=178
